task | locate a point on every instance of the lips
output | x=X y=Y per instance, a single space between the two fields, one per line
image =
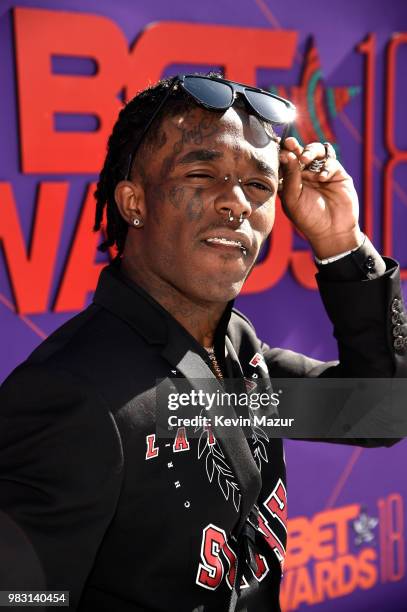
x=236 y=240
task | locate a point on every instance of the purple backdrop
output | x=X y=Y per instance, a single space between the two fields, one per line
x=320 y=476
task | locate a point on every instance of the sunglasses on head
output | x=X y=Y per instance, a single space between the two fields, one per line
x=215 y=93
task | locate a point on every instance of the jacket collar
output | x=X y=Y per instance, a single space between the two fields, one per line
x=131 y=303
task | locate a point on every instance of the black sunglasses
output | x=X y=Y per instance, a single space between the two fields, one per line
x=215 y=93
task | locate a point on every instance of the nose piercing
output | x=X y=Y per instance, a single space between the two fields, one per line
x=232 y=218
x=226 y=178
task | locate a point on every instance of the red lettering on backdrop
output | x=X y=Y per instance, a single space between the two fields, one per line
x=42 y=94
x=40 y=34
x=397 y=156
x=31 y=268
x=273 y=267
x=82 y=272
x=240 y=51
x=392 y=547
x=303 y=268
x=368 y=48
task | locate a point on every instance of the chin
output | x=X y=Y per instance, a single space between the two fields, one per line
x=214 y=290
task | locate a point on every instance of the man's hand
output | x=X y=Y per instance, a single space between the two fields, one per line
x=323 y=205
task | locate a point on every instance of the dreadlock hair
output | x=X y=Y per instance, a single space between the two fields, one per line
x=126 y=131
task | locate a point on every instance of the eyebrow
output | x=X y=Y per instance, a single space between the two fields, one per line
x=262 y=166
x=200 y=155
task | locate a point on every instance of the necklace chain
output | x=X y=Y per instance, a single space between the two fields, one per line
x=214 y=362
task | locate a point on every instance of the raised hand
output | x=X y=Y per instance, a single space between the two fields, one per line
x=322 y=205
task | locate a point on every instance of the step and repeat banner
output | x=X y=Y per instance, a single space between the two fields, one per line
x=65 y=69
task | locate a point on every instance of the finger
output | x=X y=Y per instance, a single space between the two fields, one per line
x=292 y=176
x=332 y=170
x=292 y=144
x=286 y=155
x=314 y=150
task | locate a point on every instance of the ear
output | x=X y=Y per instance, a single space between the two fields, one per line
x=130 y=201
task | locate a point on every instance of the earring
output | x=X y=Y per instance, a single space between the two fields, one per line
x=136 y=221
x=241 y=218
x=239 y=181
x=231 y=217
x=226 y=178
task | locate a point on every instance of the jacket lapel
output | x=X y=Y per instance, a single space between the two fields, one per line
x=233 y=443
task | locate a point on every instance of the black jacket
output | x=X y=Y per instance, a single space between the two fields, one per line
x=95 y=504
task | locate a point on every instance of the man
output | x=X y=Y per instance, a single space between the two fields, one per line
x=99 y=504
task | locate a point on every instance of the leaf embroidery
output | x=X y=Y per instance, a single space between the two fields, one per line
x=216 y=465
x=210 y=466
x=258 y=447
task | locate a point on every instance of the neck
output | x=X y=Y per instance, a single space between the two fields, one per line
x=200 y=318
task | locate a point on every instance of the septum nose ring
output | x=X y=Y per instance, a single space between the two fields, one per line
x=232 y=218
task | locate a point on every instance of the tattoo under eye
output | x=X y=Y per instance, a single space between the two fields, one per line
x=195 y=206
x=176 y=196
